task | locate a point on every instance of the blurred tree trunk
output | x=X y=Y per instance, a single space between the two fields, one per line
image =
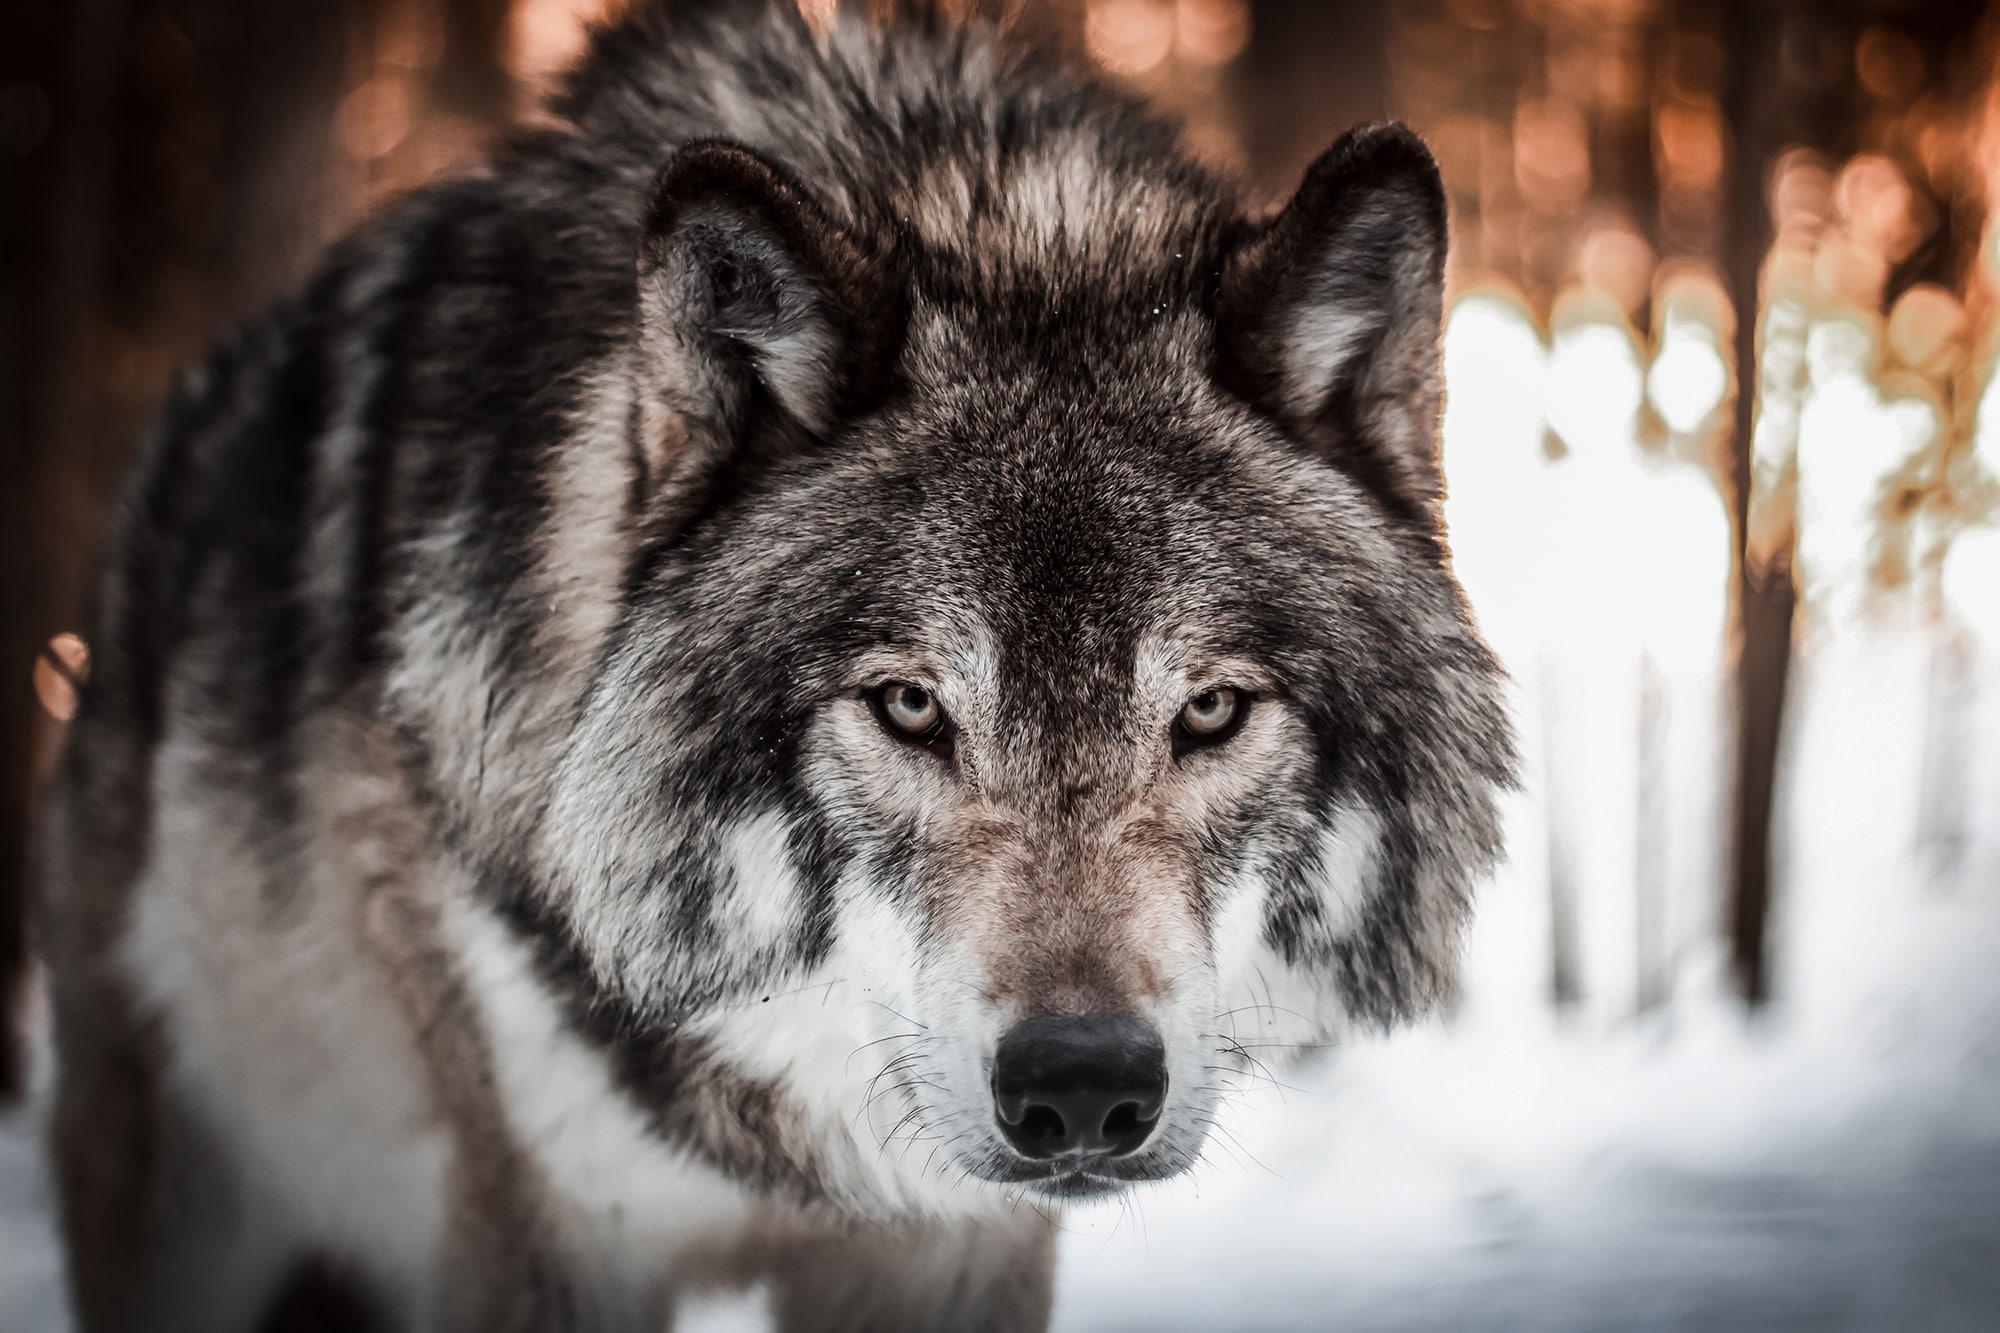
x=1792 y=84
x=1763 y=588
x=59 y=79
x=1312 y=70
x=472 y=79
x=185 y=177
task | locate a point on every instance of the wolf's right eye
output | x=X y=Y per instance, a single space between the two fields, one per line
x=912 y=713
x=1210 y=718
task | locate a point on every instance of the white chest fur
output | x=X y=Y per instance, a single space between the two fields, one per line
x=631 y=1203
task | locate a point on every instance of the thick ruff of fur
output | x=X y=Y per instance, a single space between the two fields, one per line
x=484 y=889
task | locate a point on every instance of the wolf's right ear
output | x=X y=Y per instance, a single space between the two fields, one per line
x=750 y=294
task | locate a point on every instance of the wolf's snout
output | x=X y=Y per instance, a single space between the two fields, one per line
x=1089 y=1085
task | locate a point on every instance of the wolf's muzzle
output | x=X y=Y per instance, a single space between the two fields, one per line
x=1086 y=1086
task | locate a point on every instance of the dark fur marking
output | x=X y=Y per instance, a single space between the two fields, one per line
x=689 y=1097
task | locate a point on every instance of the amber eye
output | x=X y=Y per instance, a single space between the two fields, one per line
x=912 y=713
x=1209 y=718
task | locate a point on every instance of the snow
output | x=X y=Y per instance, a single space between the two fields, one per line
x=31 y=1298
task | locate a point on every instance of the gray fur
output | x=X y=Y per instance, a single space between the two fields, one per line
x=481 y=743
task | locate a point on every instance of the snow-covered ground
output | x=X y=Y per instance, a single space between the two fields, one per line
x=31 y=1298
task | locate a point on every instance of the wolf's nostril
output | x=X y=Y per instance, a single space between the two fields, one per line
x=1123 y=1120
x=1043 y=1125
x=1090 y=1084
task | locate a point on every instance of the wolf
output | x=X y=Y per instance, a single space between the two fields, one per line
x=794 y=672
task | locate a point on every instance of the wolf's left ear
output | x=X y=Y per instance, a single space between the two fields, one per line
x=1329 y=314
x=749 y=295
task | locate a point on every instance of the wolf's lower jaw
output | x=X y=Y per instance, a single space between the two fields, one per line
x=1075 y=1187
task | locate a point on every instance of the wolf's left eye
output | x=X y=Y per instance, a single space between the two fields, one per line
x=912 y=713
x=1209 y=718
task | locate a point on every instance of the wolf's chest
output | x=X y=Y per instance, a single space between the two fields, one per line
x=619 y=1189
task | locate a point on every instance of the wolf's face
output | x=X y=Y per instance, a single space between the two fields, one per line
x=1060 y=661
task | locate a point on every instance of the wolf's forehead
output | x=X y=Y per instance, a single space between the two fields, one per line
x=1024 y=628
x=1059 y=203
x=1078 y=520
x=1080 y=625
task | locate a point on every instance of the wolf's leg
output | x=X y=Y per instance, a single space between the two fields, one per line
x=160 y=1233
x=993 y=1276
x=320 y=1297
x=167 y=1232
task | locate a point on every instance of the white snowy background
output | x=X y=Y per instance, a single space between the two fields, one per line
x=1648 y=1155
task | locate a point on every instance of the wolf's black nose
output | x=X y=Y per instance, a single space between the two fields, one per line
x=1089 y=1084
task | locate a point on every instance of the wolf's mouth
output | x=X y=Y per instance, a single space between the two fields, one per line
x=1078 y=1188
x=1079 y=1178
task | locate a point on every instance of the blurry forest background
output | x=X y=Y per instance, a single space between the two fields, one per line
x=1628 y=177
x=1723 y=438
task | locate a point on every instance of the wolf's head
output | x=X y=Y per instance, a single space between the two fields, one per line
x=1039 y=652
